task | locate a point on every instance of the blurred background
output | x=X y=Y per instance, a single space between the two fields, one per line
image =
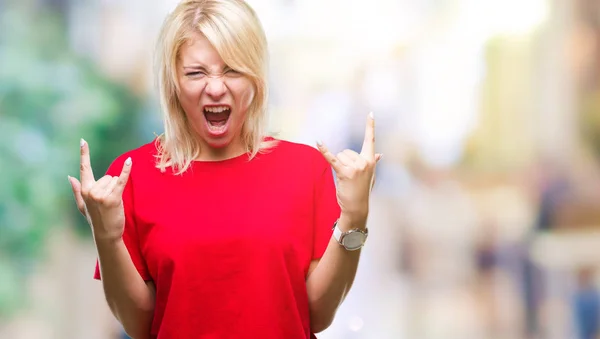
x=485 y=220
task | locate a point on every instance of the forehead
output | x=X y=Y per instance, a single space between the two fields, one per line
x=198 y=51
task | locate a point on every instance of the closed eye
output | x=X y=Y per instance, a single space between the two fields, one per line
x=232 y=72
x=195 y=74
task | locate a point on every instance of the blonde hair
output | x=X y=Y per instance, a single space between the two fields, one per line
x=233 y=29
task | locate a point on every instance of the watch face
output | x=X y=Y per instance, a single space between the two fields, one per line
x=354 y=240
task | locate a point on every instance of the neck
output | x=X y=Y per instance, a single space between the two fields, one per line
x=234 y=149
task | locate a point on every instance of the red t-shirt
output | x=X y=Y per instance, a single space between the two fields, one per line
x=228 y=244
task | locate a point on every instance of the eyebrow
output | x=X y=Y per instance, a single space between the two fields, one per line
x=200 y=67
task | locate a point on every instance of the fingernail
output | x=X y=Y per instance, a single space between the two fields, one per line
x=128 y=161
x=81 y=142
x=380 y=156
x=69 y=178
x=371 y=115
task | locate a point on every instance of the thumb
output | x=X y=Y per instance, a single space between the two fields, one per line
x=76 y=187
x=378 y=157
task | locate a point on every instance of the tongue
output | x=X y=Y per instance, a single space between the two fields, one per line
x=216 y=119
x=217 y=123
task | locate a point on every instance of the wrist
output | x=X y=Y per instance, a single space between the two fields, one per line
x=106 y=240
x=349 y=222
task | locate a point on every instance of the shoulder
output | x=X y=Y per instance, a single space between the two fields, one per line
x=292 y=149
x=143 y=158
x=300 y=154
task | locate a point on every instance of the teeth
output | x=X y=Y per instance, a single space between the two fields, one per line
x=216 y=109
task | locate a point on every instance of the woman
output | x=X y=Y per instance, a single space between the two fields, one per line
x=214 y=230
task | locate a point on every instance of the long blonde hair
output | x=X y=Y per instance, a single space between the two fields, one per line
x=234 y=30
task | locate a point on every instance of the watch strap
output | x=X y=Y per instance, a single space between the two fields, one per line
x=337 y=232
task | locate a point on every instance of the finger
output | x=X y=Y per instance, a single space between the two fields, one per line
x=352 y=155
x=331 y=159
x=378 y=157
x=123 y=178
x=86 y=174
x=112 y=185
x=345 y=159
x=356 y=158
x=99 y=188
x=373 y=180
x=76 y=186
x=368 y=148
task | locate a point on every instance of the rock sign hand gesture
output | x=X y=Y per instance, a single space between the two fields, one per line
x=355 y=175
x=101 y=201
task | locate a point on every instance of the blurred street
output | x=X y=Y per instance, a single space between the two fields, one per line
x=485 y=219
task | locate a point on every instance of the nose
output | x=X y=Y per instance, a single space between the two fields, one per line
x=215 y=87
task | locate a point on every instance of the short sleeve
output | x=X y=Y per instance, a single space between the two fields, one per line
x=130 y=234
x=326 y=209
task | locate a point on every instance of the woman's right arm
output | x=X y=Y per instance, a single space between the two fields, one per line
x=129 y=297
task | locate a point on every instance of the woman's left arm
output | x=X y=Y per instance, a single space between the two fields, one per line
x=330 y=278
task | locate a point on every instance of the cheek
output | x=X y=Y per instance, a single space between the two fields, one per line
x=246 y=95
x=188 y=91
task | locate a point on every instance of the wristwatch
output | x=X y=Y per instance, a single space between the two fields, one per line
x=353 y=239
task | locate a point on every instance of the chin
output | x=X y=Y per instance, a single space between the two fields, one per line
x=218 y=144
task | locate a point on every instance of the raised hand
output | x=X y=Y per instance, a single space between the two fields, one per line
x=101 y=201
x=355 y=174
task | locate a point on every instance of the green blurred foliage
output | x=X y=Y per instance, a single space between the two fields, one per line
x=49 y=99
x=590 y=120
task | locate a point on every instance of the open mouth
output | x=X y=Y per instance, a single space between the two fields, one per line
x=217 y=117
